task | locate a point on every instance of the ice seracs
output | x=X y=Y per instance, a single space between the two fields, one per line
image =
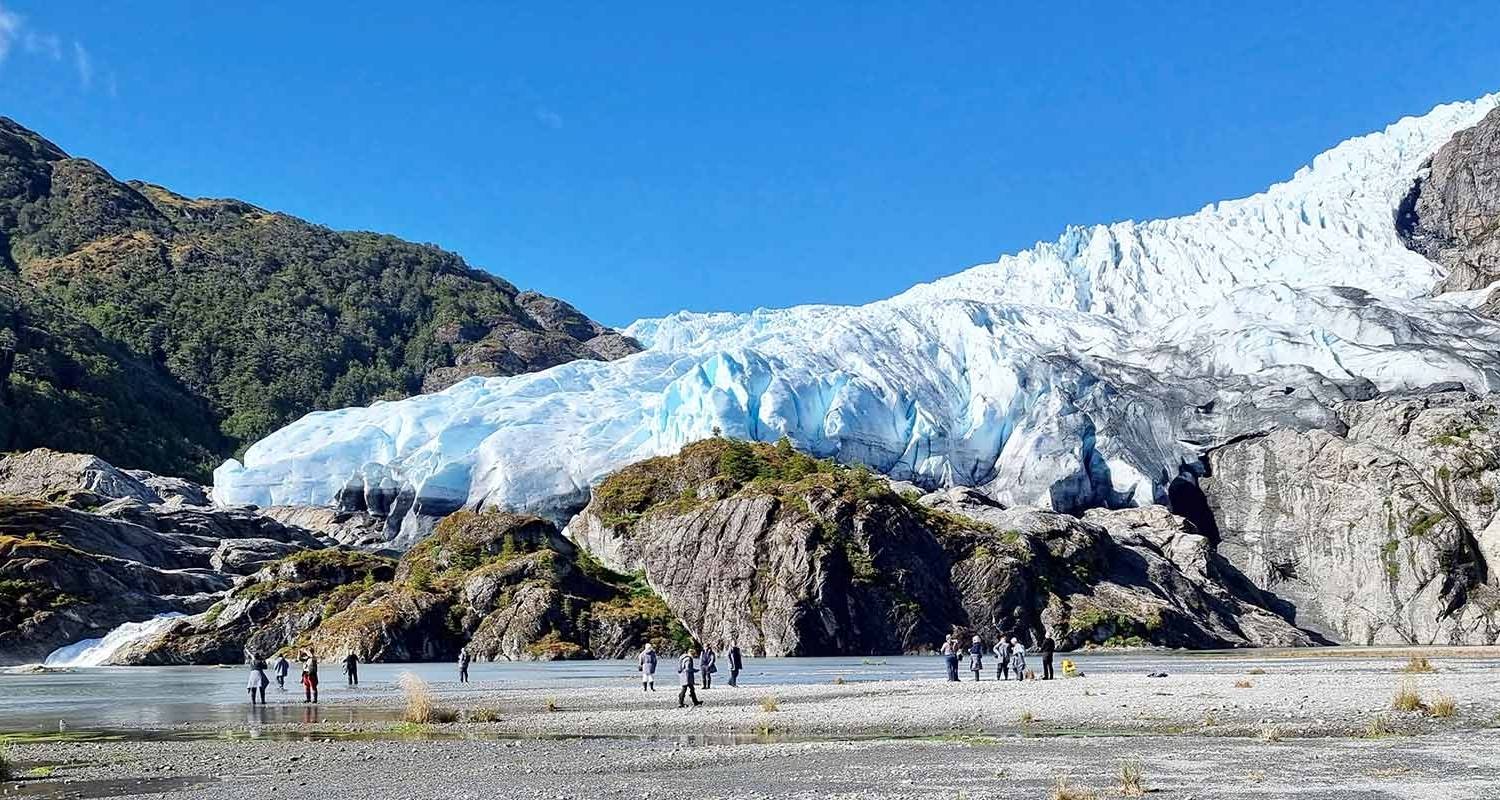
x=1093 y=370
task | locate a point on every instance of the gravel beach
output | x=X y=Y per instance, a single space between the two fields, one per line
x=1304 y=727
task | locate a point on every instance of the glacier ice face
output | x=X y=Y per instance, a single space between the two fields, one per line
x=1093 y=370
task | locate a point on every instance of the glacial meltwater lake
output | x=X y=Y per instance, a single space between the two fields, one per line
x=137 y=698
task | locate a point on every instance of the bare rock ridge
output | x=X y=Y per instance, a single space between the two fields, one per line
x=786 y=555
x=1452 y=213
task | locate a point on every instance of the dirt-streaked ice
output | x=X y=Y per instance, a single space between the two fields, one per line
x=1090 y=370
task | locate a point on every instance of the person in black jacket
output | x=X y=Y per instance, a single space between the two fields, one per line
x=736 y=663
x=351 y=669
x=1048 y=646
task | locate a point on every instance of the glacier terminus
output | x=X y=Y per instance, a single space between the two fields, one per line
x=1094 y=370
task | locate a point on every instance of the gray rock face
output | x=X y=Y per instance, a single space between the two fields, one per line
x=180 y=490
x=1452 y=214
x=1383 y=535
x=47 y=474
x=245 y=556
x=352 y=528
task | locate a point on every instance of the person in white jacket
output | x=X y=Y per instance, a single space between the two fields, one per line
x=648 y=668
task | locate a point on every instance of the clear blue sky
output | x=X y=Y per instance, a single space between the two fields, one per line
x=649 y=157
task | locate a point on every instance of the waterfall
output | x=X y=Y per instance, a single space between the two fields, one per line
x=98 y=652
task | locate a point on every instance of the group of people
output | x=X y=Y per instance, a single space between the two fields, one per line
x=259 y=680
x=692 y=667
x=695 y=669
x=1010 y=657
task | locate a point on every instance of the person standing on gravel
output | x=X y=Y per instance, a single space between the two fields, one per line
x=736 y=663
x=687 y=666
x=1002 y=659
x=463 y=664
x=950 y=657
x=351 y=669
x=309 y=677
x=648 y=668
x=707 y=667
x=282 y=668
x=258 y=680
x=976 y=657
x=1048 y=647
x=1017 y=659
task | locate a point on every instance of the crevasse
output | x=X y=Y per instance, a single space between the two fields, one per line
x=1093 y=370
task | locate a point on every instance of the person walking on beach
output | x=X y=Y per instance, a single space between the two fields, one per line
x=648 y=668
x=976 y=657
x=463 y=664
x=282 y=668
x=1048 y=647
x=687 y=667
x=1017 y=659
x=736 y=663
x=351 y=669
x=1002 y=659
x=707 y=667
x=309 y=677
x=258 y=680
x=950 y=657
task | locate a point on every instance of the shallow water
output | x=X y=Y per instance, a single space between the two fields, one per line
x=133 y=698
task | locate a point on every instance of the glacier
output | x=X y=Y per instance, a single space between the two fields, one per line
x=1094 y=370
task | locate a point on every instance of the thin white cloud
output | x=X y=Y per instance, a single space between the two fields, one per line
x=84 y=63
x=10 y=28
x=550 y=118
x=43 y=44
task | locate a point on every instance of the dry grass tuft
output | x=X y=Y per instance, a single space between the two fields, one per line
x=1442 y=707
x=552 y=706
x=420 y=706
x=1379 y=727
x=1408 y=699
x=1418 y=665
x=482 y=715
x=1242 y=684
x=1270 y=733
x=1132 y=778
x=1062 y=790
x=1026 y=717
x=1256 y=671
x=838 y=681
x=769 y=704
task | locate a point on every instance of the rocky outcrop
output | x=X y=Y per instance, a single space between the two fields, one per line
x=1383 y=535
x=47 y=475
x=546 y=333
x=266 y=613
x=68 y=575
x=353 y=528
x=1452 y=213
x=508 y=586
x=86 y=547
x=785 y=555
